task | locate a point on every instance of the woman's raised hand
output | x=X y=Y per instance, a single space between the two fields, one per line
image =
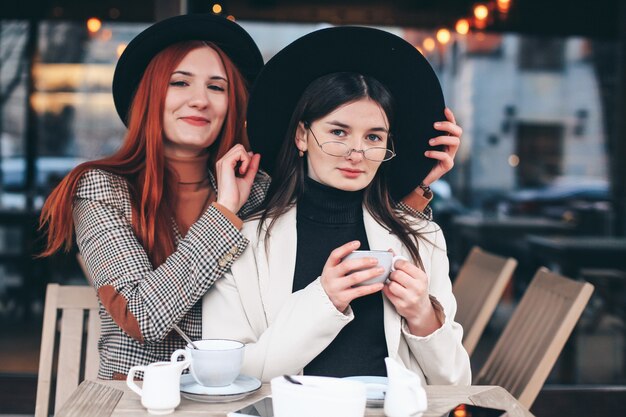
x=408 y=292
x=234 y=187
x=339 y=277
x=450 y=143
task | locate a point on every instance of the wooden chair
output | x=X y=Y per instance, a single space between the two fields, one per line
x=478 y=288
x=534 y=337
x=78 y=308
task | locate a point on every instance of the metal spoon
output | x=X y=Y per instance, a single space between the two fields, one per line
x=184 y=336
x=292 y=380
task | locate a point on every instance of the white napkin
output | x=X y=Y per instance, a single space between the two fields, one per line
x=405 y=395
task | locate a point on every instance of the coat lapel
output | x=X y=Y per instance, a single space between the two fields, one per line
x=381 y=239
x=276 y=273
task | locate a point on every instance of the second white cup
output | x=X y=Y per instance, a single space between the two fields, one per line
x=216 y=362
x=386 y=260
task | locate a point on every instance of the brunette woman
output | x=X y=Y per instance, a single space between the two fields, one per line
x=338 y=116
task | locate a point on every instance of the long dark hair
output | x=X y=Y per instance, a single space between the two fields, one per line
x=320 y=98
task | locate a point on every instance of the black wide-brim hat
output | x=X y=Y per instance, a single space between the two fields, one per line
x=227 y=35
x=397 y=64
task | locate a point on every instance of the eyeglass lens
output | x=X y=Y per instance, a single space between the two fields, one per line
x=341 y=149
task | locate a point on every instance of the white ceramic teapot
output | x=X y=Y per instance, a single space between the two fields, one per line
x=405 y=395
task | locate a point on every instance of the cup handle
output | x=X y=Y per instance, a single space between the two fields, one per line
x=397 y=258
x=130 y=379
x=186 y=359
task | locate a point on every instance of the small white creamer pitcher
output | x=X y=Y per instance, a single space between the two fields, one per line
x=160 y=393
x=405 y=395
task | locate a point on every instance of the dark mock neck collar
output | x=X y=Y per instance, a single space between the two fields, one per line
x=323 y=204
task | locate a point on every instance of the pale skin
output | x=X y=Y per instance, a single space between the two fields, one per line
x=363 y=124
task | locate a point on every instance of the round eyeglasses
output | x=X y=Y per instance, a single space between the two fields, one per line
x=341 y=149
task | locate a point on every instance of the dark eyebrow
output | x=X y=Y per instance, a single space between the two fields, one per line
x=338 y=124
x=345 y=126
x=190 y=74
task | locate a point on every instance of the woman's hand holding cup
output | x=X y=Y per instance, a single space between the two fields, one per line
x=341 y=277
x=408 y=292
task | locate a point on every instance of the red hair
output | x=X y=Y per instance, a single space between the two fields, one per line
x=140 y=159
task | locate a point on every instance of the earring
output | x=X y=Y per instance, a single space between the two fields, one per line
x=300 y=154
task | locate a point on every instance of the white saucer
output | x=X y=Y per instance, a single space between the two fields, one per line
x=241 y=387
x=376 y=388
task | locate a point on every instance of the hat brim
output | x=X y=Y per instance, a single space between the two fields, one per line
x=228 y=35
x=386 y=57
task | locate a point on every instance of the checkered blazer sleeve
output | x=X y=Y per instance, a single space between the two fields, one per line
x=427 y=214
x=146 y=302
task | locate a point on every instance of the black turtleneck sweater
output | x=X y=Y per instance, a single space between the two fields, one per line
x=326 y=219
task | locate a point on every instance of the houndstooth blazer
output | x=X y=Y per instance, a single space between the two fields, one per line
x=141 y=304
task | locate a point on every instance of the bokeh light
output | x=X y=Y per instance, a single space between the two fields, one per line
x=94 y=24
x=481 y=12
x=443 y=36
x=462 y=26
x=429 y=44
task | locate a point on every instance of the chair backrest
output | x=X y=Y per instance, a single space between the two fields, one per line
x=534 y=337
x=477 y=289
x=73 y=310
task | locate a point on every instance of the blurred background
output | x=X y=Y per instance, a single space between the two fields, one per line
x=538 y=86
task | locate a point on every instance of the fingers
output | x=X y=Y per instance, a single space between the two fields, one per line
x=362 y=291
x=232 y=157
x=243 y=167
x=238 y=154
x=252 y=168
x=342 y=298
x=409 y=276
x=391 y=295
x=410 y=268
x=451 y=142
x=359 y=277
x=341 y=252
x=449 y=115
x=348 y=265
x=404 y=290
x=449 y=127
x=447 y=161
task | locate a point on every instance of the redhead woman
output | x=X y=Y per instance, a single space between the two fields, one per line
x=344 y=110
x=154 y=232
x=158 y=222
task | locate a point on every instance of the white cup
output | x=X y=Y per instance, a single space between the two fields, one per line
x=318 y=396
x=160 y=392
x=386 y=260
x=216 y=362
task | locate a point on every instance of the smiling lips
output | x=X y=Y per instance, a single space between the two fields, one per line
x=195 y=120
x=350 y=173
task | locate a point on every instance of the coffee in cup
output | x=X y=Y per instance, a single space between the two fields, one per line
x=386 y=260
x=216 y=362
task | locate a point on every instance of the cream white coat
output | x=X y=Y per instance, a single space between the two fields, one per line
x=283 y=331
